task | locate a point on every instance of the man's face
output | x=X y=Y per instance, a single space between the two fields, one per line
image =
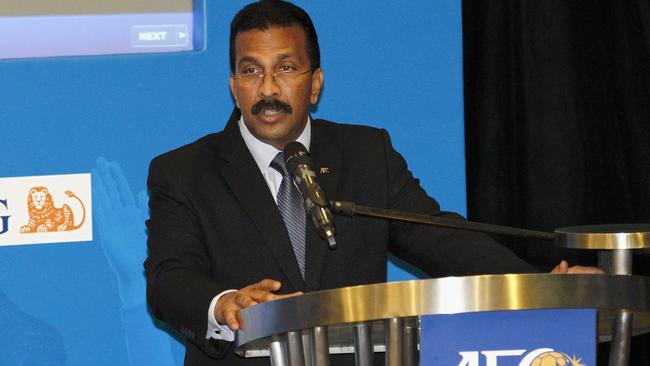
x=275 y=111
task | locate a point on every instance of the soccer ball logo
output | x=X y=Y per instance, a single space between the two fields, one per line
x=555 y=359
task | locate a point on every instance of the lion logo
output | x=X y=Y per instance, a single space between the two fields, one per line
x=45 y=217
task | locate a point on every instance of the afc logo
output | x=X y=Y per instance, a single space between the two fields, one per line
x=4 y=220
x=536 y=357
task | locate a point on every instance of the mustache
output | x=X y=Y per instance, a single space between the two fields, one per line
x=271 y=104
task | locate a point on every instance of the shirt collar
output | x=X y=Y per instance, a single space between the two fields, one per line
x=264 y=153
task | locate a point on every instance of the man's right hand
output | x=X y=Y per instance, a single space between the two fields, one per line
x=227 y=310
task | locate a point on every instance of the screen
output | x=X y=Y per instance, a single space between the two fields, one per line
x=46 y=28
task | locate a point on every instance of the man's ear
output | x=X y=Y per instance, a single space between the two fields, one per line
x=233 y=91
x=316 y=85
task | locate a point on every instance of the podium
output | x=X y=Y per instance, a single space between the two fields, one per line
x=305 y=330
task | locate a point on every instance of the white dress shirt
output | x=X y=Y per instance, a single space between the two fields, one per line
x=263 y=154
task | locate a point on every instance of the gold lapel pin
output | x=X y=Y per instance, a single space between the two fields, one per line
x=324 y=170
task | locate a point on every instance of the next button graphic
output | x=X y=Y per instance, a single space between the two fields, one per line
x=173 y=35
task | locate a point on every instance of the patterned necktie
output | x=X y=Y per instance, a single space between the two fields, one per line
x=293 y=213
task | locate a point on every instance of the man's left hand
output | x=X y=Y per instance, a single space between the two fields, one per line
x=563 y=268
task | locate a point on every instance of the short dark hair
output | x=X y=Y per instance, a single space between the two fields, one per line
x=264 y=14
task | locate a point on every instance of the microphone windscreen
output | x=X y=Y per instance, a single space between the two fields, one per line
x=296 y=154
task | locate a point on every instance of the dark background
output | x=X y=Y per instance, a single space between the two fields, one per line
x=558 y=121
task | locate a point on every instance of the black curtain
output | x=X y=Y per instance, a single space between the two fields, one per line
x=557 y=104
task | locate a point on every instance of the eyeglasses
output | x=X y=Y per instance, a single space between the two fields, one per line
x=282 y=77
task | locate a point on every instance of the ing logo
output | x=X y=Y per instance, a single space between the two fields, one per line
x=44 y=210
x=44 y=216
x=4 y=220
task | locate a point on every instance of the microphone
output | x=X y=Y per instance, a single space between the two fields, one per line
x=300 y=166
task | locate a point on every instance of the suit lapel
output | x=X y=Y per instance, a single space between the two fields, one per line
x=247 y=184
x=327 y=163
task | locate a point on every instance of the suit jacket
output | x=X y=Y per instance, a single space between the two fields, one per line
x=214 y=226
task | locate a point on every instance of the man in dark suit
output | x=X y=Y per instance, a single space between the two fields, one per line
x=218 y=241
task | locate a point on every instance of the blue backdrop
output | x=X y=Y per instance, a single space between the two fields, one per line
x=386 y=65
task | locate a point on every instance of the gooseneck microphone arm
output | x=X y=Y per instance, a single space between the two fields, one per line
x=346 y=208
x=319 y=208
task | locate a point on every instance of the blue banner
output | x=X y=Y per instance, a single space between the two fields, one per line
x=388 y=64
